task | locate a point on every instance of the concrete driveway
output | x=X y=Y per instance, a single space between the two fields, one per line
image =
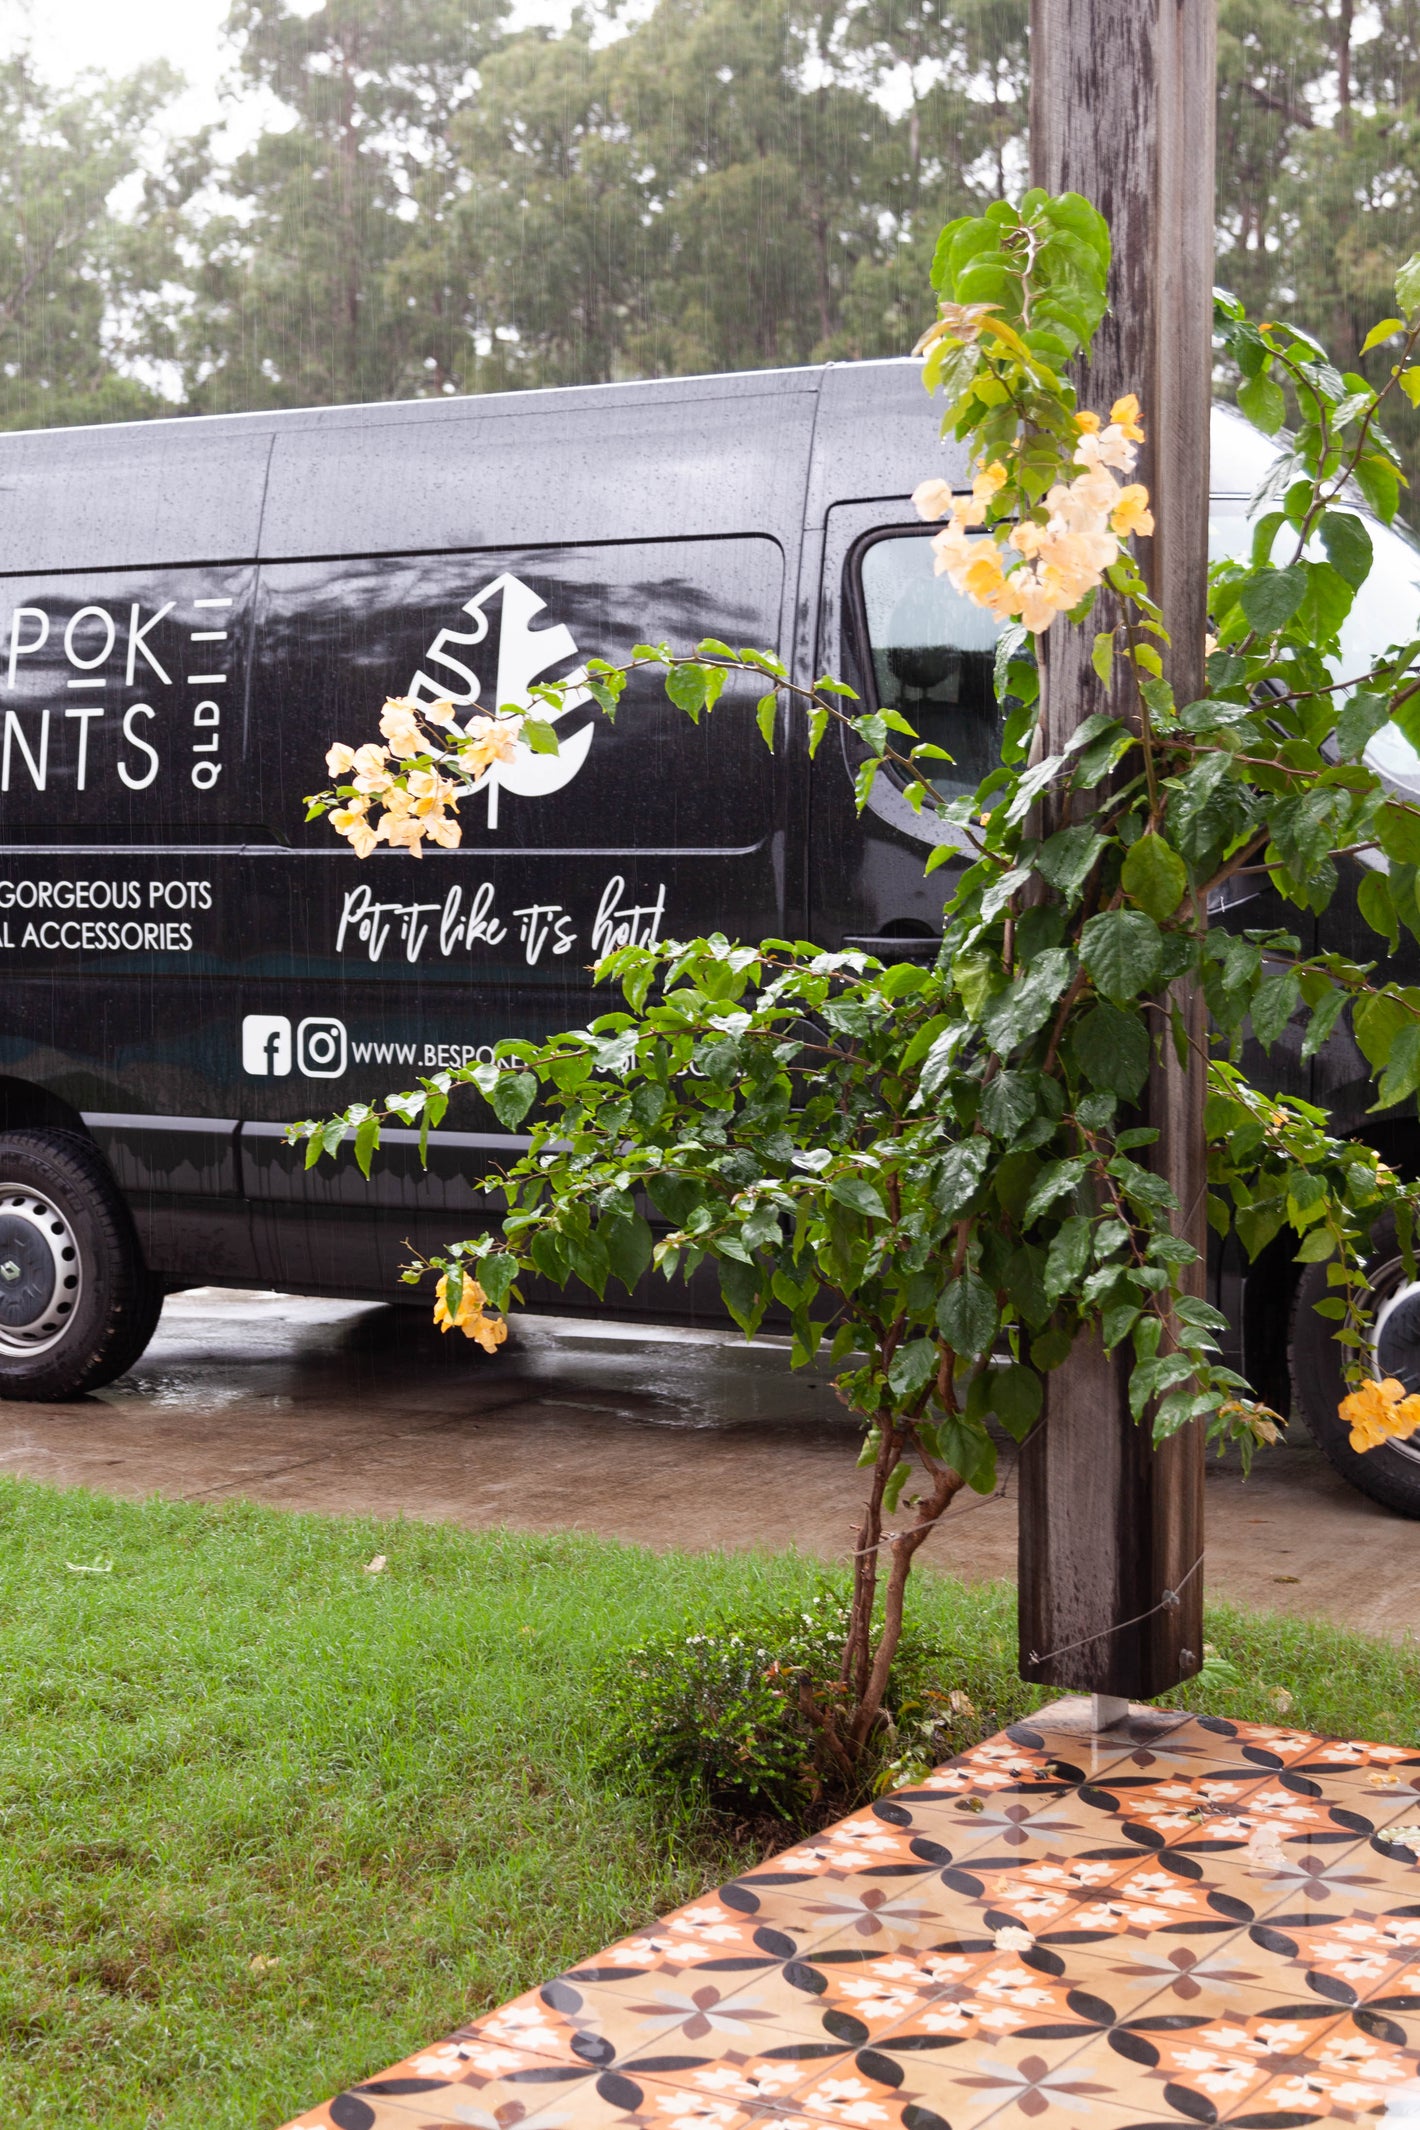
x=665 y=1438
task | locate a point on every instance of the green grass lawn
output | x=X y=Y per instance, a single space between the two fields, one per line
x=267 y=1821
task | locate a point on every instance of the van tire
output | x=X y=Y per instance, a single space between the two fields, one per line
x=1390 y=1474
x=77 y=1303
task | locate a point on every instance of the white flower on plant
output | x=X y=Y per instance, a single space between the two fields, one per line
x=399 y=722
x=933 y=498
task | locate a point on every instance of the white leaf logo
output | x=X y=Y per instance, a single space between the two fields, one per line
x=524 y=653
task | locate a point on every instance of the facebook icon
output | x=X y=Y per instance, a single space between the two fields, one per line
x=266 y=1045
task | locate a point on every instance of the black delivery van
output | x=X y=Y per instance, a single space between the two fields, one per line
x=193 y=610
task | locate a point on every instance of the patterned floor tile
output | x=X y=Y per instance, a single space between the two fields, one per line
x=1181 y=1921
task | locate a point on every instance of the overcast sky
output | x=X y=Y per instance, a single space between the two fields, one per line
x=118 y=35
x=67 y=36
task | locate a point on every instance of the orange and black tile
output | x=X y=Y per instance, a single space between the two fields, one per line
x=1181 y=1921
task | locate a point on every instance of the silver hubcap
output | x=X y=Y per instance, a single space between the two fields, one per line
x=1395 y=1338
x=41 y=1275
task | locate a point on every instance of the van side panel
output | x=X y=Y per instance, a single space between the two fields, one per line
x=358 y=977
x=190 y=966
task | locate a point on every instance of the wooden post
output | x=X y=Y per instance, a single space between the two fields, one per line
x=1122 y=110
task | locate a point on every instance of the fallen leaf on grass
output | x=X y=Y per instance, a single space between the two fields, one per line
x=97 y=1566
x=1281 y=1700
x=261 y=1963
x=377 y=1566
x=961 y=1704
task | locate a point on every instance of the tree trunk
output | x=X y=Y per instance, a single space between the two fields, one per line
x=1122 y=111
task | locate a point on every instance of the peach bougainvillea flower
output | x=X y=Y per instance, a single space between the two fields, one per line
x=490 y=1331
x=1380 y=1412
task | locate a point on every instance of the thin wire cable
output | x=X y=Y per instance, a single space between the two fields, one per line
x=1167 y=1603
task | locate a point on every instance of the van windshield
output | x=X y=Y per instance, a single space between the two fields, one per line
x=1387 y=611
x=933 y=651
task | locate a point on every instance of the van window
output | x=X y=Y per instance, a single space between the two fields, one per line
x=932 y=653
x=479 y=629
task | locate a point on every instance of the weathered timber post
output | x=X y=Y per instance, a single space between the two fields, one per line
x=1122 y=111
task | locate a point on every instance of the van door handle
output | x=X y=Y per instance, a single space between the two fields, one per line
x=891 y=948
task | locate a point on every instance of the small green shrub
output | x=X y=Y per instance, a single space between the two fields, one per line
x=729 y=1712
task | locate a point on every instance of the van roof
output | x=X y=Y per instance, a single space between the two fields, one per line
x=765 y=450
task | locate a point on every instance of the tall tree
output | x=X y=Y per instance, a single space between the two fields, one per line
x=76 y=276
x=296 y=298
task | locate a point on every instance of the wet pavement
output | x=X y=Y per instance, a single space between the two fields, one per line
x=661 y=1437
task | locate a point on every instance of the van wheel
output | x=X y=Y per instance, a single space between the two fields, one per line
x=1390 y=1474
x=77 y=1303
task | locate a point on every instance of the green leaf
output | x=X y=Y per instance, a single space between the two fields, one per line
x=1377 y=906
x=1410 y=385
x=629 y=1244
x=1123 y=952
x=1149 y=1378
x=1348 y=546
x=1008 y=1103
x=540 y=736
x=1068 y=1256
x=1065 y=858
x=1387 y=328
x=966 y=1315
x=1102 y=656
x=766 y=713
x=694 y=688
x=1111 y=1049
x=1407 y=285
x=968 y=1449
x=1316 y=1247
x=1016 y=1398
x=913 y=1367
x=857 y=1193
x=1402 y=1073
x=864 y=779
x=1264 y=403
x=1271 y=597
x=512 y=1096
x=1052 y=1348
x=1019 y=1012
x=1056 y=1180
x=1273 y=1004
x=1154 y=875
x=1359 y=720
x=963 y=1167
x=1327 y=603
x=1379 y=483
x=1377 y=1021
x=742 y=1287
x=1398 y=832
x=367 y=1138
x=496 y=1274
